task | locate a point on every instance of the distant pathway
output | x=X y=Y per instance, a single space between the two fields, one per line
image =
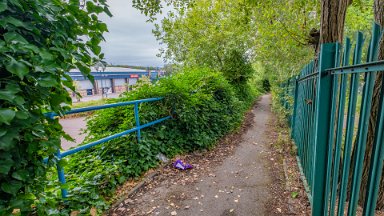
x=239 y=185
x=73 y=127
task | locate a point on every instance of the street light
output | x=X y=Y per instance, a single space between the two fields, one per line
x=100 y=67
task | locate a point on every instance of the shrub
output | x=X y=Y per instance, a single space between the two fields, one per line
x=238 y=70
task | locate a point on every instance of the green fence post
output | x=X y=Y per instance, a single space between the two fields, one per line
x=293 y=118
x=322 y=120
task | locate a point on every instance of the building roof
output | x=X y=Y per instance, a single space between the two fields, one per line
x=112 y=69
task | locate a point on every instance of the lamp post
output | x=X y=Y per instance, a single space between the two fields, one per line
x=100 y=67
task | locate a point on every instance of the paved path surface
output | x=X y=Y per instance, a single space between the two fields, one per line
x=73 y=127
x=240 y=185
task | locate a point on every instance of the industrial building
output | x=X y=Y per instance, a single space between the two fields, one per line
x=111 y=80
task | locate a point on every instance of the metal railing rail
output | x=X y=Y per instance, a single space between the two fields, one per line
x=60 y=155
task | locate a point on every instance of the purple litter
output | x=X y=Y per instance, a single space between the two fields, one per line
x=181 y=166
x=188 y=166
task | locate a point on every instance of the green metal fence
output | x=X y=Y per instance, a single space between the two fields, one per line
x=329 y=122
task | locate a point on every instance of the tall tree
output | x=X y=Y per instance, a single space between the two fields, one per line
x=333 y=13
x=379 y=18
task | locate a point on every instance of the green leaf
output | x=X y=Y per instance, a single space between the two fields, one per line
x=11 y=187
x=102 y=26
x=22 y=115
x=19 y=100
x=96 y=49
x=21 y=175
x=48 y=81
x=6 y=115
x=7 y=141
x=107 y=11
x=294 y=194
x=5 y=167
x=46 y=55
x=15 y=22
x=13 y=37
x=3 y=6
x=9 y=93
x=2 y=132
x=17 y=68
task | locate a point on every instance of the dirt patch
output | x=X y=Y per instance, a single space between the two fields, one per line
x=288 y=191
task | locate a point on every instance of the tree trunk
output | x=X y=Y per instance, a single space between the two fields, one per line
x=379 y=18
x=332 y=20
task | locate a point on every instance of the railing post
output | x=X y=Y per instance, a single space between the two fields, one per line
x=322 y=124
x=137 y=119
x=286 y=95
x=293 y=121
x=61 y=175
x=60 y=169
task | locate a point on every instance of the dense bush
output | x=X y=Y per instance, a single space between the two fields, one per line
x=238 y=70
x=204 y=107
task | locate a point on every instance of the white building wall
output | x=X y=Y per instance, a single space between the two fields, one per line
x=85 y=84
x=132 y=81
x=119 y=82
x=104 y=83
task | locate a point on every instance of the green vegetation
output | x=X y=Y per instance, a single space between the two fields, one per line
x=204 y=106
x=89 y=103
x=245 y=47
x=39 y=41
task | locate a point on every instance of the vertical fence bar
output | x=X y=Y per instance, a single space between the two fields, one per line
x=376 y=166
x=339 y=129
x=363 y=124
x=354 y=85
x=293 y=121
x=331 y=132
x=311 y=107
x=137 y=119
x=306 y=120
x=323 y=111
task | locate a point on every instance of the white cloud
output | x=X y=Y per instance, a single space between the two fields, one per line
x=129 y=40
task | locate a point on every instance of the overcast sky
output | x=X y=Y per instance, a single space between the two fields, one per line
x=130 y=40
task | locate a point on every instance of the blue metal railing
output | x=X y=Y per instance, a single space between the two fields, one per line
x=60 y=155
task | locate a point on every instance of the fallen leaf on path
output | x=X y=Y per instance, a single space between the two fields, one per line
x=93 y=211
x=174 y=213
